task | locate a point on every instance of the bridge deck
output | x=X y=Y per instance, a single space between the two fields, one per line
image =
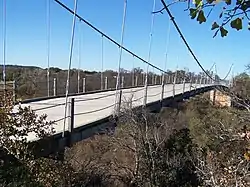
x=95 y=106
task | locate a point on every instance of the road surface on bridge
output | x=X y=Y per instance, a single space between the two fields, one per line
x=95 y=106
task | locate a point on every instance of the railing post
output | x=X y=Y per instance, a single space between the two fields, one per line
x=83 y=85
x=54 y=87
x=175 y=77
x=200 y=81
x=71 y=120
x=184 y=80
x=196 y=81
x=106 y=83
x=78 y=84
x=72 y=114
x=152 y=79
x=120 y=102
x=136 y=81
x=155 y=79
x=190 y=88
x=102 y=80
x=122 y=84
x=14 y=92
x=162 y=88
x=133 y=79
x=145 y=92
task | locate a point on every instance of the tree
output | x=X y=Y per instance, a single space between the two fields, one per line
x=234 y=14
x=18 y=161
x=223 y=140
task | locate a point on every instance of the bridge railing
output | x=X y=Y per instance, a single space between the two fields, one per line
x=87 y=108
x=92 y=83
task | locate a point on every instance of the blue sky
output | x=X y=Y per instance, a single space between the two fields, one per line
x=27 y=33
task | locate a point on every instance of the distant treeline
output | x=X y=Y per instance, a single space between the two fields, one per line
x=31 y=81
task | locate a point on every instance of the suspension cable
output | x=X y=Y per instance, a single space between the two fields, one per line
x=79 y=57
x=150 y=36
x=48 y=46
x=4 y=46
x=167 y=46
x=211 y=67
x=149 y=52
x=230 y=69
x=102 y=61
x=121 y=49
x=215 y=68
x=183 y=38
x=106 y=36
x=70 y=61
x=133 y=72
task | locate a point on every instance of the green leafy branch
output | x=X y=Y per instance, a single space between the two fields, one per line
x=234 y=16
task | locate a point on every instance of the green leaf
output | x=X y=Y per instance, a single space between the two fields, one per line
x=238 y=2
x=245 y=6
x=223 y=31
x=198 y=3
x=215 y=26
x=193 y=12
x=201 y=18
x=236 y=24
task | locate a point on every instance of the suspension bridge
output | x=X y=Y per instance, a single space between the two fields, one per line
x=80 y=113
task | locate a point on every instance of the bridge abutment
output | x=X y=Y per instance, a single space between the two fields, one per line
x=219 y=98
